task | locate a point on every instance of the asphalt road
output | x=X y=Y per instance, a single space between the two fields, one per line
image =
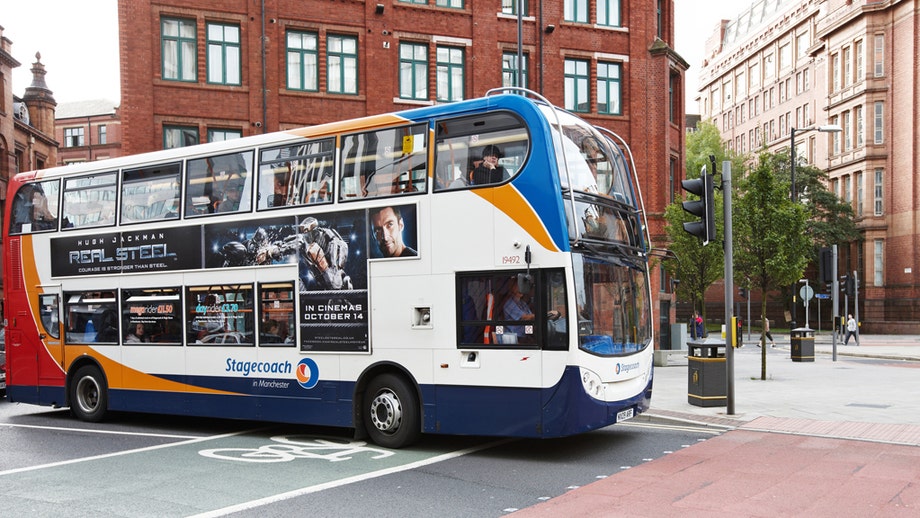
x=148 y=465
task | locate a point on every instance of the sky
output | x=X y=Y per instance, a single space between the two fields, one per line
x=695 y=22
x=78 y=42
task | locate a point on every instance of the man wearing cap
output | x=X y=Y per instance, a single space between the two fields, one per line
x=233 y=194
x=489 y=171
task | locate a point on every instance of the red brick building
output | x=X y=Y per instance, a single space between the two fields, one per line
x=195 y=71
x=26 y=123
x=87 y=131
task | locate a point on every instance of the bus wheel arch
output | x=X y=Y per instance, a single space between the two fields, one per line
x=88 y=391
x=388 y=408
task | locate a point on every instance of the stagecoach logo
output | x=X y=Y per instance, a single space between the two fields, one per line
x=624 y=368
x=307 y=373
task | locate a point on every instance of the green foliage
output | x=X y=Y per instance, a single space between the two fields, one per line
x=771 y=246
x=698 y=267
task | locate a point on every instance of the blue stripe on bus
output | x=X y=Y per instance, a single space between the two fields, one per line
x=557 y=411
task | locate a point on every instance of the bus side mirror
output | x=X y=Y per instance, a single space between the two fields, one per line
x=524 y=282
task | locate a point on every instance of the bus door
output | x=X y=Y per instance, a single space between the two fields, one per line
x=49 y=331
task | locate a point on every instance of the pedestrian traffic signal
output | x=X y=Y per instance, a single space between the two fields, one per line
x=702 y=187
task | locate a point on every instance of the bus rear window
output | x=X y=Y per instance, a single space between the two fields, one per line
x=35 y=207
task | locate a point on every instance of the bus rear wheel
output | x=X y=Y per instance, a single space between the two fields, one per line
x=89 y=399
x=391 y=412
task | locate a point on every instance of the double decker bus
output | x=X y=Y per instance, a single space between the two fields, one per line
x=479 y=268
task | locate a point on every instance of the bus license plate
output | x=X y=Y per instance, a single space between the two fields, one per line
x=623 y=415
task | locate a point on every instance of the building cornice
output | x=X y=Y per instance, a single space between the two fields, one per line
x=659 y=47
x=33 y=132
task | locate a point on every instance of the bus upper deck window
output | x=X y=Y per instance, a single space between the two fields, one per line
x=385 y=162
x=89 y=201
x=35 y=207
x=479 y=151
x=298 y=174
x=219 y=184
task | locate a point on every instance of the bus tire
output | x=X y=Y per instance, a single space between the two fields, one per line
x=391 y=412
x=89 y=398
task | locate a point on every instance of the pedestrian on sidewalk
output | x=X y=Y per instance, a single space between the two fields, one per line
x=851 y=330
x=766 y=331
x=698 y=328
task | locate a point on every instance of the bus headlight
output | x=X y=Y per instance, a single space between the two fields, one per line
x=592 y=384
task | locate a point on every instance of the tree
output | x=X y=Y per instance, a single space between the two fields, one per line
x=697 y=267
x=771 y=246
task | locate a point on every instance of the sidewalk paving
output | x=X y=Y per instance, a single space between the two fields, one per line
x=822 y=438
x=860 y=385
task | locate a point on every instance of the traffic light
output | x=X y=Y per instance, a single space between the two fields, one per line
x=705 y=228
x=826 y=265
x=743 y=292
x=850 y=287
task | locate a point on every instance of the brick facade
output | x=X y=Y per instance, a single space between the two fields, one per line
x=651 y=80
x=98 y=125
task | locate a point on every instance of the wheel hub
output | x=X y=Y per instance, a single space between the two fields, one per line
x=87 y=394
x=386 y=412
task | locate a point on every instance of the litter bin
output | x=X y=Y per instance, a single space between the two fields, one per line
x=706 y=378
x=802 y=340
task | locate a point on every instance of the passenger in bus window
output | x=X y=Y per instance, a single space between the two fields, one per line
x=490 y=171
x=233 y=193
x=516 y=308
x=137 y=335
x=388 y=226
x=42 y=218
x=322 y=194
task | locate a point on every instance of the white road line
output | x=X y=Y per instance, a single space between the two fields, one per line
x=120 y=453
x=113 y=432
x=673 y=427
x=252 y=504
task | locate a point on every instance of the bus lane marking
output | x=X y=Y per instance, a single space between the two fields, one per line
x=252 y=504
x=288 y=448
x=119 y=453
x=112 y=432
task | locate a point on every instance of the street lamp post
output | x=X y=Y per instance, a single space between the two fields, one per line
x=827 y=128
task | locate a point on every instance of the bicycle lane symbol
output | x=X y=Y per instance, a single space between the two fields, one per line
x=285 y=448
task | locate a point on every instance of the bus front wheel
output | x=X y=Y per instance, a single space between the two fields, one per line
x=391 y=412
x=89 y=394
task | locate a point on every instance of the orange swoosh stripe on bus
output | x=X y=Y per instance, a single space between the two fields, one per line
x=509 y=200
x=134 y=379
x=364 y=124
x=139 y=380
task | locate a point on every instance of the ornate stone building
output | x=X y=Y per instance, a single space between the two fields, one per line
x=783 y=69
